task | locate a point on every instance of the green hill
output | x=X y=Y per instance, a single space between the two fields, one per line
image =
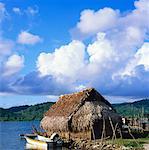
x=133 y=109
x=35 y=112
x=24 y=113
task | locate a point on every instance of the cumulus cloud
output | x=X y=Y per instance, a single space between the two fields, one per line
x=13 y=65
x=115 y=61
x=100 y=50
x=107 y=19
x=92 y=22
x=140 y=58
x=118 y=47
x=65 y=61
x=28 y=38
x=102 y=68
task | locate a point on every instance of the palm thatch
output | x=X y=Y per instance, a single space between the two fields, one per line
x=79 y=112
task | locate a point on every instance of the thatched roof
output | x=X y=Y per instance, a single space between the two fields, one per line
x=77 y=111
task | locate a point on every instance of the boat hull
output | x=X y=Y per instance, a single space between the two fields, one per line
x=45 y=139
x=57 y=143
x=37 y=143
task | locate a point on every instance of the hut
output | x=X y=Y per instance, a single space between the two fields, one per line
x=84 y=115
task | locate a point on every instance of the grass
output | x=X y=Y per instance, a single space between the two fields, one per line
x=131 y=143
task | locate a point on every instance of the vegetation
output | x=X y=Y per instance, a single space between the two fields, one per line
x=130 y=143
x=134 y=109
x=35 y=112
x=24 y=113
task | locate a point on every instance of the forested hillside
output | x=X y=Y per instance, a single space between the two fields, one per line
x=133 y=109
x=23 y=113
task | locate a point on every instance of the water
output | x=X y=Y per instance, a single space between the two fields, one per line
x=10 y=131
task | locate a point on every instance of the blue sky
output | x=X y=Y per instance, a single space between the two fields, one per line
x=48 y=48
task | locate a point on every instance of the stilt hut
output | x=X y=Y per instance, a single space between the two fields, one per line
x=84 y=115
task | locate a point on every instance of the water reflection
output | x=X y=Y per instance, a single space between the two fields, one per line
x=34 y=147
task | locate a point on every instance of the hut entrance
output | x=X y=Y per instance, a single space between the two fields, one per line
x=97 y=129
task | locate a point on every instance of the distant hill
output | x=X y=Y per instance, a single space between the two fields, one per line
x=35 y=112
x=16 y=109
x=133 y=109
x=25 y=113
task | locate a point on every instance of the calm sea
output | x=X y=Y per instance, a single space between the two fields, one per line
x=10 y=131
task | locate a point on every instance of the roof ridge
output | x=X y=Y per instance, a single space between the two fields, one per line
x=77 y=92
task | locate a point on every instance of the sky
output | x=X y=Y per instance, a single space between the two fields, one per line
x=54 y=47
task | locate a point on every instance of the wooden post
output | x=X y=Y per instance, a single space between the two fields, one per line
x=93 y=132
x=103 y=131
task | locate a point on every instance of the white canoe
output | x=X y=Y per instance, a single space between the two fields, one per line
x=43 y=138
x=53 y=139
x=37 y=143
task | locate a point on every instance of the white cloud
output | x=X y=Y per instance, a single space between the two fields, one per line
x=143 y=56
x=115 y=62
x=27 y=38
x=64 y=62
x=32 y=10
x=140 y=58
x=3 y=12
x=100 y=50
x=110 y=20
x=17 y=10
x=5 y=47
x=142 y=5
x=124 y=35
x=13 y=65
x=117 y=48
x=101 y=56
x=92 y=22
x=77 y=62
